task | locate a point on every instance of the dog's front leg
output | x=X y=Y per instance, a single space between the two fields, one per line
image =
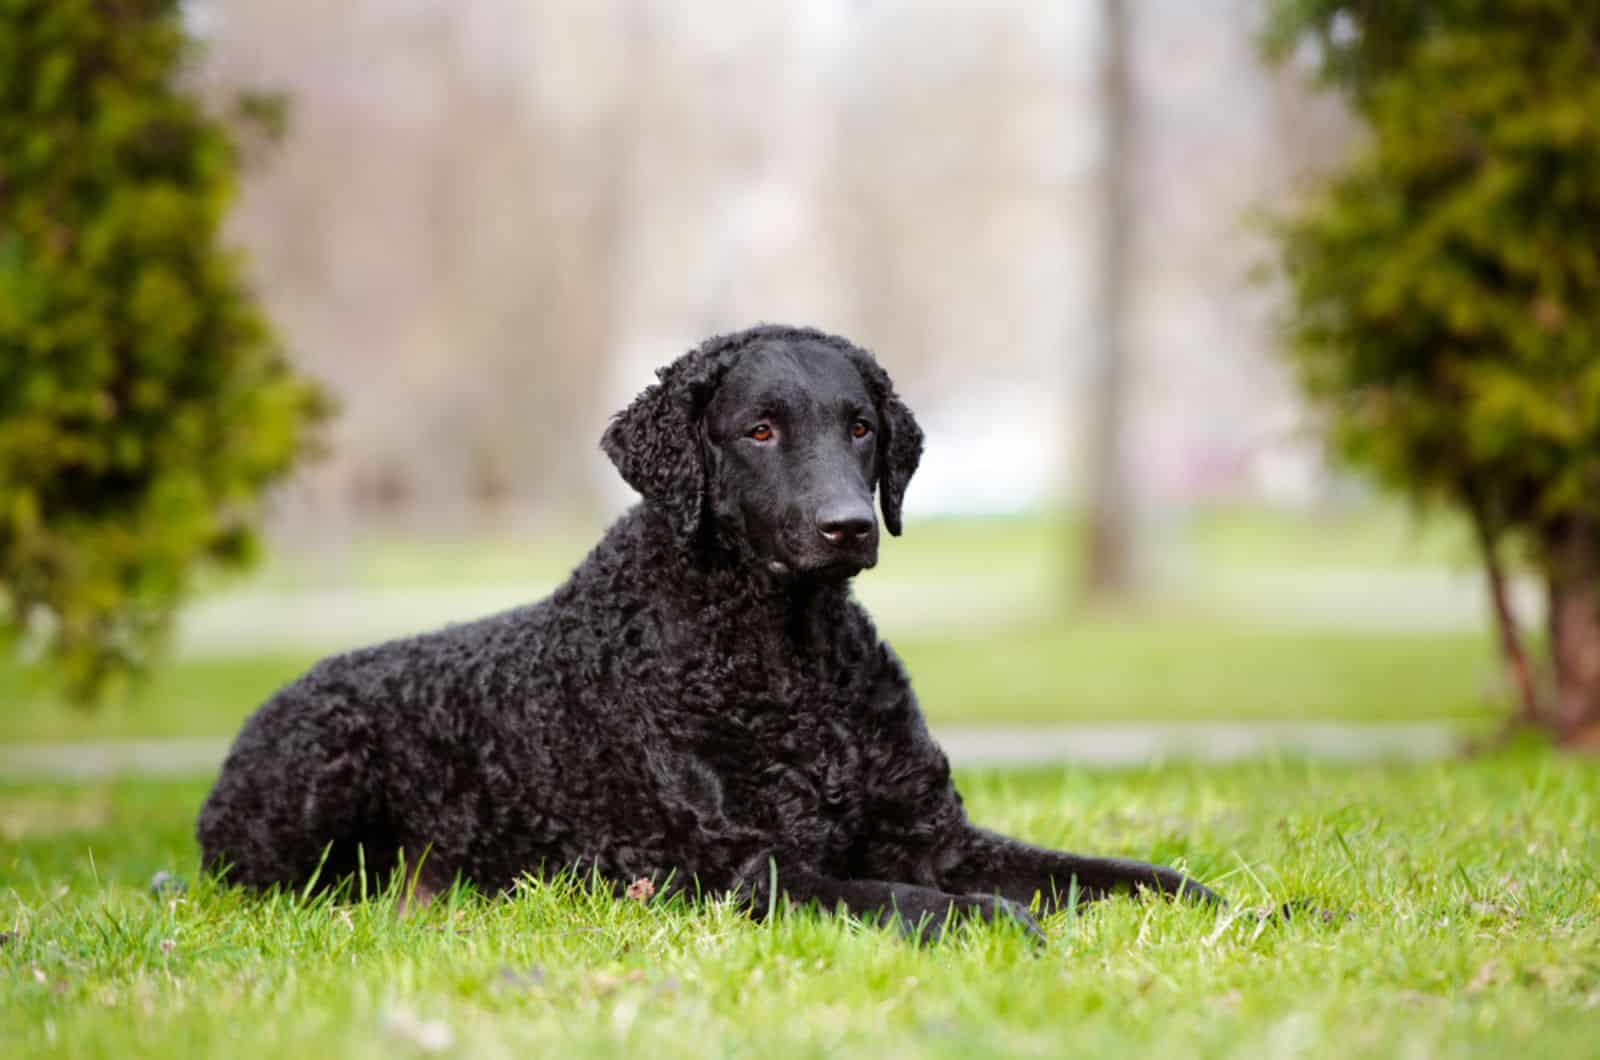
x=978 y=861
x=920 y=912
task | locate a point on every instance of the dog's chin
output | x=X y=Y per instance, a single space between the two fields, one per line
x=821 y=569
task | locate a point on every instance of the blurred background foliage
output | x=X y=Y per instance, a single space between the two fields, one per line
x=1444 y=309
x=144 y=400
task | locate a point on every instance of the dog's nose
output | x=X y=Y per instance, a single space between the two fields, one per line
x=844 y=523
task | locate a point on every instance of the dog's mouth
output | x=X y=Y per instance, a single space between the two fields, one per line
x=832 y=570
x=837 y=564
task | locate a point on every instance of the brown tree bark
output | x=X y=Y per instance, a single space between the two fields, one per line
x=1109 y=567
x=1573 y=564
x=1505 y=617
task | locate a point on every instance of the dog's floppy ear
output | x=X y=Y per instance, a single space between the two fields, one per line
x=655 y=442
x=899 y=440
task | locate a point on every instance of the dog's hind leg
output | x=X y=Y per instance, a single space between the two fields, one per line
x=296 y=804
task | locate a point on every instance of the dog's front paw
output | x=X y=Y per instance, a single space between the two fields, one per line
x=928 y=924
x=993 y=908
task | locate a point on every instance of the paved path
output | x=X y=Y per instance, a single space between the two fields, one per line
x=1122 y=744
x=1134 y=744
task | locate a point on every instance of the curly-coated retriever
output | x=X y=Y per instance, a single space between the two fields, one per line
x=701 y=703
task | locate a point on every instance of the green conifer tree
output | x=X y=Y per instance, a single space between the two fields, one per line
x=1444 y=309
x=144 y=402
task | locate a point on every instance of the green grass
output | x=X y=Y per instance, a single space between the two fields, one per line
x=1190 y=670
x=1382 y=537
x=1471 y=890
x=1106 y=669
x=182 y=699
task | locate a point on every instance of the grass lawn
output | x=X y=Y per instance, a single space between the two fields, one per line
x=1103 y=670
x=1472 y=929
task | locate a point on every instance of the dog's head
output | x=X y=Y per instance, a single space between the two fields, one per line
x=772 y=440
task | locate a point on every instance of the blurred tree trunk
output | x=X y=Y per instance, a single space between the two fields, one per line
x=1108 y=561
x=1505 y=616
x=1573 y=563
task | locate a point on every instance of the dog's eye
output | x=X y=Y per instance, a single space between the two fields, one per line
x=860 y=429
x=761 y=432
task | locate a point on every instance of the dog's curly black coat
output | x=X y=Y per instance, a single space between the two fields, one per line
x=685 y=708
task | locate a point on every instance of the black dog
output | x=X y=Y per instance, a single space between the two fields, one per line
x=701 y=704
